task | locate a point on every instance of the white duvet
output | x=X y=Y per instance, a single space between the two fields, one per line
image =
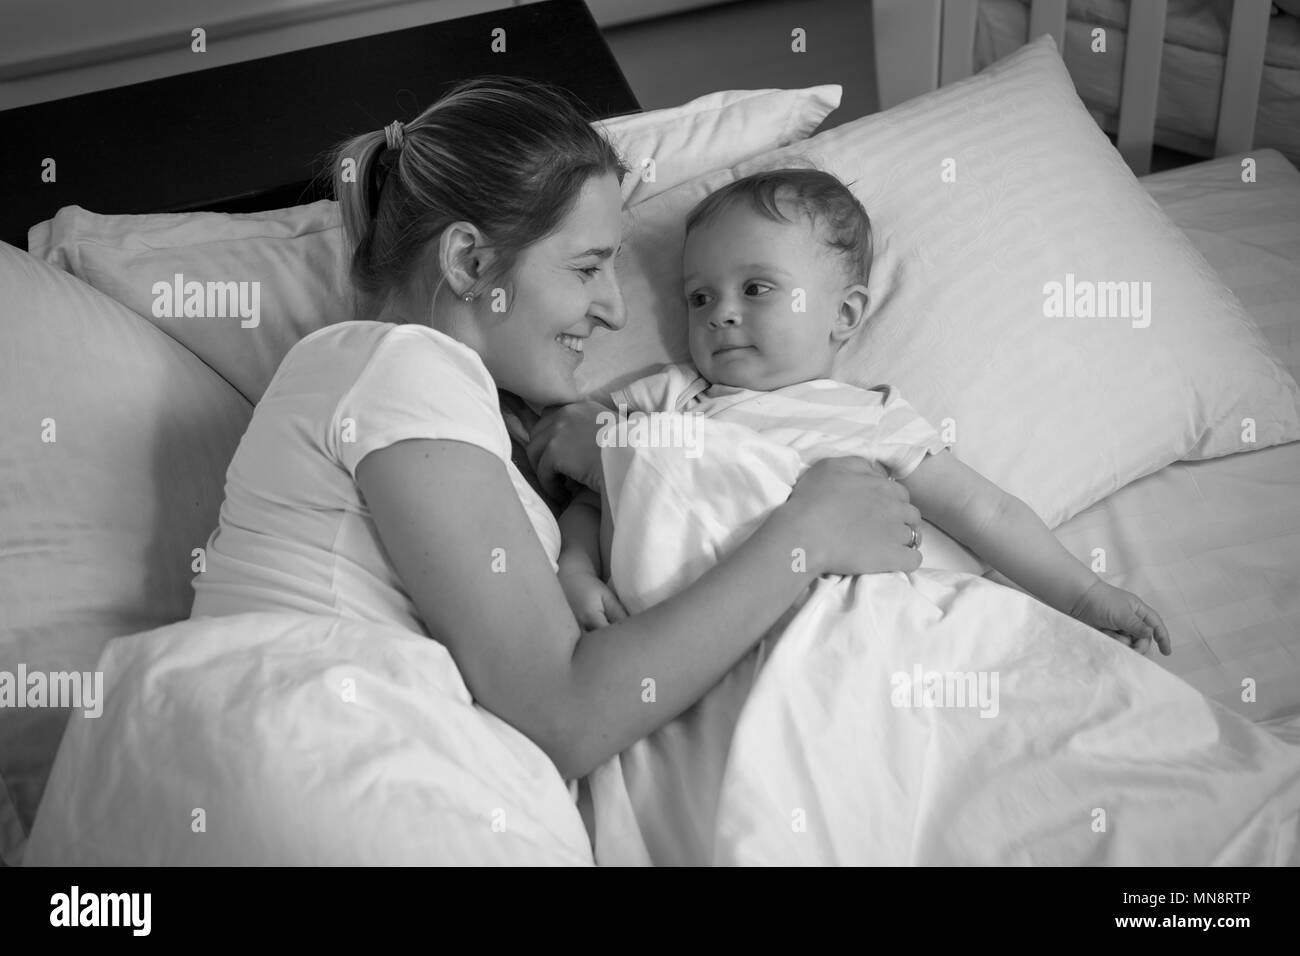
x=1069 y=749
x=295 y=739
x=292 y=739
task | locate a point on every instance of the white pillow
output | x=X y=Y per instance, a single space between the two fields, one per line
x=1249 y=232
x=669 y=146
x=296 y=255
x=1060 y=412
x=113 y=454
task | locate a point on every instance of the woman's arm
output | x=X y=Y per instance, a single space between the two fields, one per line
x=454 y=528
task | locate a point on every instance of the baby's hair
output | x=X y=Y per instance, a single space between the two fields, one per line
x=506 y=154
x=841 y=221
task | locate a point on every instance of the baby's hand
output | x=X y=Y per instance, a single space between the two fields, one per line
x=593 y=603
x=1123 y=616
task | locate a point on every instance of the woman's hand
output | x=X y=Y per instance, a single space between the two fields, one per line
x=852 y=519
x=593 y=603
x=563 y=444
x=1123 y=616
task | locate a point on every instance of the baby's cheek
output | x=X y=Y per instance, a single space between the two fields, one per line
x=699 y=354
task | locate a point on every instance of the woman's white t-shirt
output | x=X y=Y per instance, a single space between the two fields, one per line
x=294 y=532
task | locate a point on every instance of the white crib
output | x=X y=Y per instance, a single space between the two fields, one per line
x=923 y=44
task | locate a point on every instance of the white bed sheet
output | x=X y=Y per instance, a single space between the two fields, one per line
x=1214 y=545
x=1191 y=70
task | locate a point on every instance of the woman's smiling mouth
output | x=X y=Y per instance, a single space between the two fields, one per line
x=572 y=344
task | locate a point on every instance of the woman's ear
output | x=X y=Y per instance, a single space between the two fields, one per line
x=852 y=314
x=463 y=256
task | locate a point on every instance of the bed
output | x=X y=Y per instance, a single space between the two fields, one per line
x=1191 y=69
x=1218 y=539
x=1214 y=543
x=1249 y=236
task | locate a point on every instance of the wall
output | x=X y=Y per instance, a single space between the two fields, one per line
x=746 y=45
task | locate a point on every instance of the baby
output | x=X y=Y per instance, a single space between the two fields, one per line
x=775 y=268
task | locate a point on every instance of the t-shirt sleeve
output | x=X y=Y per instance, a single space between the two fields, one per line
x=415 y=386
x=657 y=392
x=903 y=437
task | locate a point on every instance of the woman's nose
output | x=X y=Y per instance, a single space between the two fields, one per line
x=608 y=307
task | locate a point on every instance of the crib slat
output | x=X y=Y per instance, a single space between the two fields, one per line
x=905 y=35
x=957 y=46
x=1239 y=101
x=1141 y=86
x=1048 y=16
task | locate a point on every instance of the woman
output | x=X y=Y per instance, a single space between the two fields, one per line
x=377 y=479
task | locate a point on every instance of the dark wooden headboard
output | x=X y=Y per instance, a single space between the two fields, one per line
x=248 y=136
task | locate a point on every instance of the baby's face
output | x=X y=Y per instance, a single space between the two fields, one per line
x=745 y=275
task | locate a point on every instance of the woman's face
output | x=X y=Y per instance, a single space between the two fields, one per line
x=564 y=287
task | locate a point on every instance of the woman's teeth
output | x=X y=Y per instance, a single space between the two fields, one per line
x=571 y=342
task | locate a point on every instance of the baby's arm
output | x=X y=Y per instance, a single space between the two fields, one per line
x=581 y=570
x=580 y=535
x=586 y=526
x=1006 y=533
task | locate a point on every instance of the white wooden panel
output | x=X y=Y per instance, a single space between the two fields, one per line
x=1048 y=16
x=957 y=45
x=612 y=13
x=92 y=31
x=1239 y=101
x=153 y=41
x=905 y=34
x=1144 y=45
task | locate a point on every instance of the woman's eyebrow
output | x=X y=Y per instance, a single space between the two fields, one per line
x=604 y=252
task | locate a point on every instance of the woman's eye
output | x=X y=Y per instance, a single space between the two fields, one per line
x=590 y=271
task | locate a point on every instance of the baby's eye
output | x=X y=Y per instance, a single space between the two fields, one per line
x=696 y=299
x=762 y=289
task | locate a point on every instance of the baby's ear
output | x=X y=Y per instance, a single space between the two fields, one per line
x=852 y=315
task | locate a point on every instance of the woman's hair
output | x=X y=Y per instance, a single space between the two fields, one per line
x=506 y=154
x=835 y=213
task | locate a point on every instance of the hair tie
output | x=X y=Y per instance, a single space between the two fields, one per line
x=394 y=134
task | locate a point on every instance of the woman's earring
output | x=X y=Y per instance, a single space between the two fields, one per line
x=468 y=297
